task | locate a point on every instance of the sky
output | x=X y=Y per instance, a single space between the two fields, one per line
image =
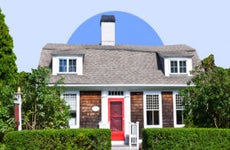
x=203 y=25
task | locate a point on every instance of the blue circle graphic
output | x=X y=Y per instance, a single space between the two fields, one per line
x=129 y=30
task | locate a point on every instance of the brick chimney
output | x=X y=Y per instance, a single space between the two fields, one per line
x=107 y=30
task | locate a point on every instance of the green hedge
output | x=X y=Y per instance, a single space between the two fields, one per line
x=85 y=139
x=186 y=138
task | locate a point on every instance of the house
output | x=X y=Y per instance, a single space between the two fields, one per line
x=109 y=85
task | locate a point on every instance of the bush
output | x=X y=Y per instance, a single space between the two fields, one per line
x=82 y=139
x=186 y=138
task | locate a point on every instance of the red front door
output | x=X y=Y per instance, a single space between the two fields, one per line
x=116 y=118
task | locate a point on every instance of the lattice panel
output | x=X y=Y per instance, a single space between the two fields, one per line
x=71 y=100
x=179 y=100
x=152 y=102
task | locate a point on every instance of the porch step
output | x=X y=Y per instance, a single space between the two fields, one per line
x=122 y=147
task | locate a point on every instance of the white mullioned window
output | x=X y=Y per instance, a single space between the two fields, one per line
x=178 y=110
x=152 y=109
x=67 y=65
x=72 y=99
x=178 y=66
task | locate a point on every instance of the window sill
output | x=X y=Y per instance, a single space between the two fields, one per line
x=153 y=126
x=67 y=73
x=179 y=126
x=179 y=74
x=73 y=127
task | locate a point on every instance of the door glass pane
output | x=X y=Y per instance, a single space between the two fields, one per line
x=116 y=109
x=116 y=116
x=116 y=124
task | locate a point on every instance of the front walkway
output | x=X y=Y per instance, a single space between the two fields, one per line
x=119 y=145
x=122 y=147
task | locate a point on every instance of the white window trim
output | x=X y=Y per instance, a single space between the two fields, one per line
x=77 y=109
x=174 y=112
x=160 y=109
x=79 y=64
x=167 y=66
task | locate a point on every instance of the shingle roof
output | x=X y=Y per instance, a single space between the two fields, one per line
x=120 y=64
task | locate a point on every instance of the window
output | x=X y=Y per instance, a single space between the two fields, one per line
x=152 y=109
x=72 y=64
x=116 y=93
x=71 y=100
x=68 y=65
x=174 y=67
x=178 y=111
x=182 y=66
x=62 y=65
x=178 y=66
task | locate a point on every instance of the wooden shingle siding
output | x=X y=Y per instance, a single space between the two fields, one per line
x=137 y=109
x=89 y=118
x=167 y=109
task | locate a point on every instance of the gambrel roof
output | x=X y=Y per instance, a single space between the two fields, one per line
x=120 y=64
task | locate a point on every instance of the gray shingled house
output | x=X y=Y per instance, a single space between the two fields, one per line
x=109 y=85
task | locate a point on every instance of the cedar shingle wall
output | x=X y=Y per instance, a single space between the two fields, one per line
x=167 y=109
x=137 y=109
x=88 y=118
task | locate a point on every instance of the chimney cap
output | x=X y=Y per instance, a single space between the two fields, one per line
x=107 y=18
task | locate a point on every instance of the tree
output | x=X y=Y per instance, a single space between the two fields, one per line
x=8 y=71
x=42 y=106
x=207 y=103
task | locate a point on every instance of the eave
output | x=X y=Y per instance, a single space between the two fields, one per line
x=123 y=87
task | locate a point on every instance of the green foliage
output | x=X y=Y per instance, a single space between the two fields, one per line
x=82 y=139
x=8 y=66
x=8 y=71
x=207 y=104
x=42 y=106
x=186 y=138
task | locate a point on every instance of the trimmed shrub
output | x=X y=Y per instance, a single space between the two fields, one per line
x=186 y=138
x=82 y=139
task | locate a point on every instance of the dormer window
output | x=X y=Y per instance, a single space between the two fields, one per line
x=67 y=65
x=178 y=66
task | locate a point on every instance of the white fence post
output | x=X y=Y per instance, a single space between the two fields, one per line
x=134 y=134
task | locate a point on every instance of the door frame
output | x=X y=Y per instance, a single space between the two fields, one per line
x=116 y=136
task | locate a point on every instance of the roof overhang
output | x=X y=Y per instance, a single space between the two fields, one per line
x=129 y=87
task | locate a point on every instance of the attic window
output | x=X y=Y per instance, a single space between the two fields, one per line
x=178 y=66
x=67 y=65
